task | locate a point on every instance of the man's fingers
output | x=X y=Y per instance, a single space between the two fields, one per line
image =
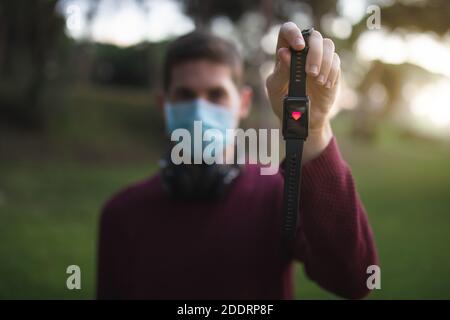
x=322 y=62
x=327 y=60
x=314 y=59
x=290 y=36
x=333 y=76
x=280 y=76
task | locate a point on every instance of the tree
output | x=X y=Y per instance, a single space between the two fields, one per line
x=29 y=33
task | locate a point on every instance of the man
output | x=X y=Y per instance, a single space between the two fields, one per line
x=214 y=232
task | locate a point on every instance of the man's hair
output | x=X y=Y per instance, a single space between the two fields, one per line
x=198 y=45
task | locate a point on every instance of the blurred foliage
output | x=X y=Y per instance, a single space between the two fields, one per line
x=35 y=54
x=430 y=15
x=272 y=10
x=32 y=48
x=129 y=66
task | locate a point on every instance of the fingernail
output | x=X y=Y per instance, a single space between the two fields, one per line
x=328 y=85
x=314 y=70
x=321 y=79
x=299 y=42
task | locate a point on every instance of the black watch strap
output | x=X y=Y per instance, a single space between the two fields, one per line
x=297 y=78
x=292 y=177
x=295 y=140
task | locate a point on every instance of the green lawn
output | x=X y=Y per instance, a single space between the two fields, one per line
x=49 y=218
x=49 y=206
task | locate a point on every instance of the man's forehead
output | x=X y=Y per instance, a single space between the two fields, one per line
x=201 y=73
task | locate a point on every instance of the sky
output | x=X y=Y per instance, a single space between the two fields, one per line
x=124 y=23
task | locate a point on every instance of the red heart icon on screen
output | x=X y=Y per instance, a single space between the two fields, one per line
x=296 y=115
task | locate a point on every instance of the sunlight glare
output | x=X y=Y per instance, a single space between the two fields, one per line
x=433 y=103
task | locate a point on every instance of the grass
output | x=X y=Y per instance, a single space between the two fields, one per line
x=49 y=215
x=49 y=203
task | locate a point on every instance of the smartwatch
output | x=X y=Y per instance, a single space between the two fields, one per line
x=295 y=131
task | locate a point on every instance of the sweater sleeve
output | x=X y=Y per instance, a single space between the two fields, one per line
x=334 y=239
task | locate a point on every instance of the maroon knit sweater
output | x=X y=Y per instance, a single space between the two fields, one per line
x=154 y=247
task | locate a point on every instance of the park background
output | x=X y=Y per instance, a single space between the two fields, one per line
x=78 y=122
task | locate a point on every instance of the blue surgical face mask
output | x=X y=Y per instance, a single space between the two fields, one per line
x=213 y=116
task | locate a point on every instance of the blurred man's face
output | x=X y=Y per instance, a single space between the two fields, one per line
x=210 y=81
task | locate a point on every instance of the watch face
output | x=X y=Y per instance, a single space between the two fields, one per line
x=295 y=118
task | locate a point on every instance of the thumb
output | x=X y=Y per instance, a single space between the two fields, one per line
x=279 y=80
